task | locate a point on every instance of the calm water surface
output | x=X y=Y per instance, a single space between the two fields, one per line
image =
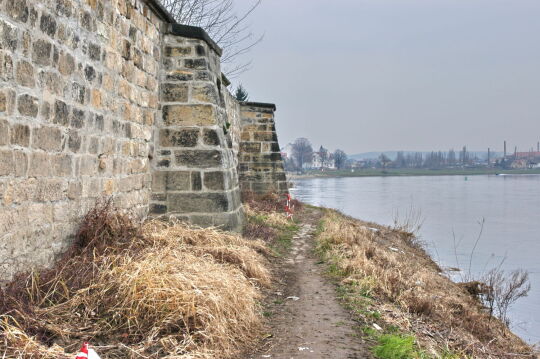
x=453 y=206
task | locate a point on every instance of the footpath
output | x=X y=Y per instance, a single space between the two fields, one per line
x=306 y=318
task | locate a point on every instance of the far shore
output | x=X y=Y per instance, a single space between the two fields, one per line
x=393 y=172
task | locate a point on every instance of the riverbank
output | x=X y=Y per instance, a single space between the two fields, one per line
x=375 y=172
x=399 y=302
x=322 y=285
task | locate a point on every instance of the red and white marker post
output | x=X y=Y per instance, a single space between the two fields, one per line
x=87 y=353
x=288 y=207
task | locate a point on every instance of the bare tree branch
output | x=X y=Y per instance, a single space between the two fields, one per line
x=221 y=21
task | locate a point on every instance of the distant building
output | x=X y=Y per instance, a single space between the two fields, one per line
x=318 y=163
x=522 y=160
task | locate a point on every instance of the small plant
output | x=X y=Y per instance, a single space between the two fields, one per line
x=504 y=290
x=409 y=224
x=241 y=94
x=393 y=346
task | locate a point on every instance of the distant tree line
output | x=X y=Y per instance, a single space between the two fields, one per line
x=434 y=159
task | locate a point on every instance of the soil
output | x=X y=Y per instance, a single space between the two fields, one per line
x=306 y=319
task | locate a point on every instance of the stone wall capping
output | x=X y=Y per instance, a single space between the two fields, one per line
x=160 y=10
x=259 y=104
x=194 y=32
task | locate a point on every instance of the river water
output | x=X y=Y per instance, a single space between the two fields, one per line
x=452 y=209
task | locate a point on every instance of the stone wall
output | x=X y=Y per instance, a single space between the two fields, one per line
x=113 y=99
x=78 y=99
x=261 y=167
x=195 y=175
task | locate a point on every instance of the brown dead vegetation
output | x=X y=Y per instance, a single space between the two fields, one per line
x=410 y=292
x=153 y=290
x=269 y=202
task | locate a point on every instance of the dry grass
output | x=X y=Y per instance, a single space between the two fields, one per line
x=269 y=203
x=409 y=291
x=154 y=291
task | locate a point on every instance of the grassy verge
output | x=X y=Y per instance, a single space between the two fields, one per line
x=372 y=172
x=273 y=228
x=404 y=305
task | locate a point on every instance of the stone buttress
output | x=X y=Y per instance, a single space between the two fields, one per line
x=260 y=163
x=194 y=174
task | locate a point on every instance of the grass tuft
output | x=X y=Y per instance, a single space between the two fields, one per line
x=393 y=346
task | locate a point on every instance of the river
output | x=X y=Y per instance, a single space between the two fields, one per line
x=452 y=209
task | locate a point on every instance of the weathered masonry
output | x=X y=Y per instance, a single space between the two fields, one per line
x=113 y=98
x=261 y=166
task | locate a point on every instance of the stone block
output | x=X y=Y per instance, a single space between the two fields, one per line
x=196 y=181
x=126 y=49
x=202 y=220
x=7 y=166
x=229 y=221
x=64 y=8
x=198 y=202
x=197 y=64
x=250 y=147
x=198 y=158
x=74 y=141
x=205 y=93
x=51 y=189
x=78 y=93
x=180 y=75
x=25 y=74
x=94 y=52
x=62 y=165
x=265 y=136
x=274 y=147
x=66 y=64
x=177 y=51
x=211 y=137
x=174 y=92
x=157 y=209
x=28 y=105
x=61 y=113
x=78 y=118
x=41 y=54
x=159 y=181
x=20 y=135
x=3 y=102
x=47 y=139
x=179 y=138
x=74 y=190
x=178 y=181
x=40 y=165
x=263 y=187
x=21 y=163
x=51 y=82
x=214 y=181
x=4 y=133
x=17 y=10
x=189 y=115
x=89 y=73
x=48 y=25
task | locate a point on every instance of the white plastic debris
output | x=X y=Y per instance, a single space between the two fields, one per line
x=376 y=326
x=92 y=354
x=393 y=249
x=293 y=298
x=303 y=348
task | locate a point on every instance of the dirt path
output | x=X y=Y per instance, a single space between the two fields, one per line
x=306 y=318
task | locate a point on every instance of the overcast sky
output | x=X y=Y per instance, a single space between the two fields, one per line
x=370 y=75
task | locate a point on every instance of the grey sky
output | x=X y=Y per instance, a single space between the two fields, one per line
x=367 y=75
